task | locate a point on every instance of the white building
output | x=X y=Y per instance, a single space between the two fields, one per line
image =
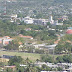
x=39 y=45
x=51 y=19
x=13 y=18
x=40 y=21
x=56 y=23
x=28 y=20
x=65 y=17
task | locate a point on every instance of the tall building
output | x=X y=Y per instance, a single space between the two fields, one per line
x=51 y=19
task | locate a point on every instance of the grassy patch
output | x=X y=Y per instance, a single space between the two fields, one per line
x=31 y=56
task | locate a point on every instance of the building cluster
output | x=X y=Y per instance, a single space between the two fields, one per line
x=56 y=22
x=29 y=20
x=40 y=21
x=52 y=65
x=67 y=67
x=13 y=18
x=5 y=40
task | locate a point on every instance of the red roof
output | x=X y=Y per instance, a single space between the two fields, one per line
x=10 y=66
x=20 y=43
x=25 y=36
x=69 y=31
x=6 y=42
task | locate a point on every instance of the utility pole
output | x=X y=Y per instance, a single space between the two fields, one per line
x=5 y=7
x=53 y=56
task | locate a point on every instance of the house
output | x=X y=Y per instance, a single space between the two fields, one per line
x=51 y=65
x=28 y=20
x=7 y=56
x=39 y=64
x=40 y=21
x=5 y=40
x=51 y=46
x=28 y=29
x=65 y=17
x=22 y=65
x=39 y=45
x=28 y=37
x=11 y=67
x=20 y=47
x=4 y=60
x=56 y=23
x=13 y=18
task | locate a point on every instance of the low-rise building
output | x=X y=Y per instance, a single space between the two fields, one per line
x=28 y=20
x=11 y=67
x=40 y=21
x=5 y=40
x=28 y=37
x=4 y=60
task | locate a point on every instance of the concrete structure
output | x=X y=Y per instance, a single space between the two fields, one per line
x=28 y=29
x=11 y=67
x=28 y=37
x=65 y=17
x=51 y=19
x=4 y=60
x=56 y=23
x=5 y=40
x=39 y=45
x=40 y=21
x=51 y=46
x=28 y=20
x=13 y=18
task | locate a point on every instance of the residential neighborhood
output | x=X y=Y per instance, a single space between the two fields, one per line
x=35 y=35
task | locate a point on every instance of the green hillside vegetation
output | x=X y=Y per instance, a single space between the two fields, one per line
x=65 y=45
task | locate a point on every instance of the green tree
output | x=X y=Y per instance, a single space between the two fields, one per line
x=47 y=58
x=9 y=70
x=14 y=60
x=67 y=58
x=59 y=69
x=58 y=49
x=59 y=59
x=46 y=68
x=14 y=45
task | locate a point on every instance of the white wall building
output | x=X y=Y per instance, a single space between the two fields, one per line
x=28 y=20
x=13 y=18
x=51 y=19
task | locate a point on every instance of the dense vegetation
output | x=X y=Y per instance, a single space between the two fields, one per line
x=58 y=59
x=12 y=29
x=65 y=45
